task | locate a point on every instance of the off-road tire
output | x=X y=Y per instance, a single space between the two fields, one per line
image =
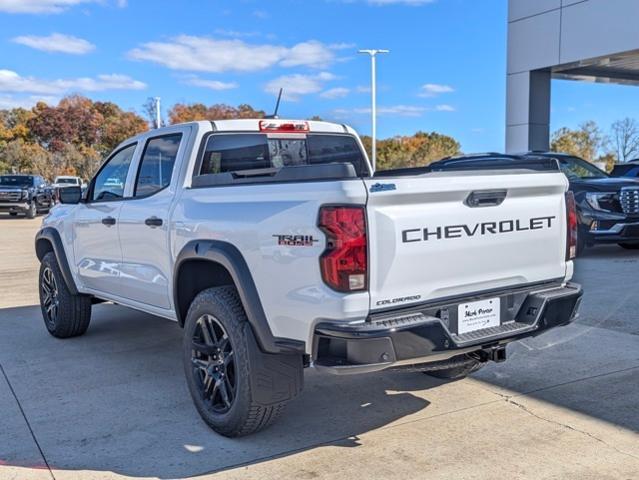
x=458 y=368
x=244 y=416
x=629 y=246
x=72 y=312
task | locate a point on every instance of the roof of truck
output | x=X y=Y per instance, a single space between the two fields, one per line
x=253 y=125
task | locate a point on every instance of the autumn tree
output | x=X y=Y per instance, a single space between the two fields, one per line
x=417 y=150
x=586 y=142
x=182 y=112
x=68 y=138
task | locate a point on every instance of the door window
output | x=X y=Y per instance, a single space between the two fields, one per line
x=110 y=180
x=156 y=165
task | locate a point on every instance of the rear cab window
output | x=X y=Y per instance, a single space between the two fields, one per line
x=238 y=152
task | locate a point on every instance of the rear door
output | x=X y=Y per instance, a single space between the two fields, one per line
x=144 y=220
x=448 y=234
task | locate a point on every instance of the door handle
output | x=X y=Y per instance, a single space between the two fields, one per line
x=153 y=222
x=108 y=221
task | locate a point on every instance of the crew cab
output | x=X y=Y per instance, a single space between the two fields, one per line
x=25 y=194
x=607 y=206
x=276 y=247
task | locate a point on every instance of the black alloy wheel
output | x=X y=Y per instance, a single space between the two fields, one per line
x=49 y=295
x=213 y=363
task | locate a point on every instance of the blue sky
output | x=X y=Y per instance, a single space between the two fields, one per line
x=445 y=72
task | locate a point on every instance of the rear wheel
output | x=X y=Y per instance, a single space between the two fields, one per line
x=65 y=314
x=455 y=369
x=629 y=246
x=217 y=365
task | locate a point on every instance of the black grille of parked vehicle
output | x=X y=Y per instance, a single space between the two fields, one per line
x=629 y=199
x=10 y=196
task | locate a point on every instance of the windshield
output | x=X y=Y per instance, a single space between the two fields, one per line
x=574 y=167
x=16 y=180
x=70 y=181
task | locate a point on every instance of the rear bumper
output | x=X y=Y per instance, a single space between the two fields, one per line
x=427 y=334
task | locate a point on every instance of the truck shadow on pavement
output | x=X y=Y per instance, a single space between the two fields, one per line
x=115 y=400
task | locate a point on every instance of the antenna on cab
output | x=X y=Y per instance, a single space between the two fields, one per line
x=277 y=105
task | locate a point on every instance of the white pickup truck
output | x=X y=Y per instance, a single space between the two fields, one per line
x=276 y=248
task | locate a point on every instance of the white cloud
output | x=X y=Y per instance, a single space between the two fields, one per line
x=391 y=111
x=297 y=85
x=11 y=81
x=56 y=42
x=235 y=33
x=342 y=46
x=37 y=6
x=337 y=92
x=434 y=90
x=203 y=54
x=47 y=6
x=445 y=108
x=8 y=102
x=309 y=54
x=211 y=84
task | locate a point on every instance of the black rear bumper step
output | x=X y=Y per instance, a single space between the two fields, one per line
x=429 y=335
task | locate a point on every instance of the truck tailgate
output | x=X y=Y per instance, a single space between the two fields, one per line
x=455 y=233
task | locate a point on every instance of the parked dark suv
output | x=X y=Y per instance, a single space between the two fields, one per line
x=26 y=194
x=608 y=207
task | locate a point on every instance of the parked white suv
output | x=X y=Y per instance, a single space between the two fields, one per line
x=276 y=247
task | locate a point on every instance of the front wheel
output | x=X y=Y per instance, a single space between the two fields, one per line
x=65 y=314
x=629 y=246
x=218 y=366
x=33 y=211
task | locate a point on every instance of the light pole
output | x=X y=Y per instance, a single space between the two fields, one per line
x=158 y=113
x=373 y=55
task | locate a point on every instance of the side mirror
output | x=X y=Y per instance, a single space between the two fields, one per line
x=70 y=195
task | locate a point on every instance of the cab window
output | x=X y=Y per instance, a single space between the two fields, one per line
x=110 y=181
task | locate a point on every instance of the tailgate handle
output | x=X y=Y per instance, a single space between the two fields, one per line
x=486 y=198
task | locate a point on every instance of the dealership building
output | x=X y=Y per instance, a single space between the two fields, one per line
x=591 y=40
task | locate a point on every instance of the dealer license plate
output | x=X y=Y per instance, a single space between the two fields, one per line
x=478 y=315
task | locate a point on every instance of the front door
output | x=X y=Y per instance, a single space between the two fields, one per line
x=97 y=250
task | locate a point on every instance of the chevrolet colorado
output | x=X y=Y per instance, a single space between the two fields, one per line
x=276 y=247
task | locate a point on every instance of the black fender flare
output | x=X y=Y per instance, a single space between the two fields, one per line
x=52 y=236
x=229 y=257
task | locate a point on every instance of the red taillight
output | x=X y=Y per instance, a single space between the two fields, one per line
x=571 y=214
x=344 y=263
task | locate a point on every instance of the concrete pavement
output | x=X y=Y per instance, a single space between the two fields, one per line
x=114 y=403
